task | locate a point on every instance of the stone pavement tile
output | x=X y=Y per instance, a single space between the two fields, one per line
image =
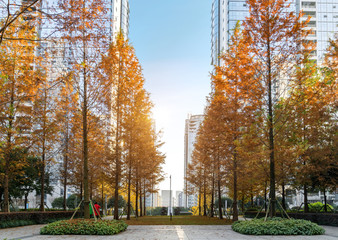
x=162 y=233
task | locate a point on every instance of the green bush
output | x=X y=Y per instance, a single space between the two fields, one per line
x=58 y=203
x=319 y=207
x=84 y=227
x=277 y=226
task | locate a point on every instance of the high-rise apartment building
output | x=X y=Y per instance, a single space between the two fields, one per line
x=192 y=125
x=226 y=13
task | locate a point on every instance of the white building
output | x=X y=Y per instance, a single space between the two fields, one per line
x=191 y=129
x=165 y=196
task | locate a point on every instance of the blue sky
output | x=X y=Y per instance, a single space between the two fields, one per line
x=172 y=42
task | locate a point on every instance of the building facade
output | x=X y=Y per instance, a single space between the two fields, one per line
x=192 y=125
x=226 y=13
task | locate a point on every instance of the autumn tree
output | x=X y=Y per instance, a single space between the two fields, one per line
x=85 y=31
x=275 y=34
x=239 y=93
x=13 y=11
x=19 y=83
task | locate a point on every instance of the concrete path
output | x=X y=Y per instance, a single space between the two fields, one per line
x=200 y=232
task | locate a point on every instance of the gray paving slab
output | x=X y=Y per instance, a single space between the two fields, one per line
x=200 y=232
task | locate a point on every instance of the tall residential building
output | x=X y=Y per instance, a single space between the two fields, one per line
x=191 y=129
x=226 y=13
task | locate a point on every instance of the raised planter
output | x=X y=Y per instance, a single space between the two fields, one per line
x=329 y=219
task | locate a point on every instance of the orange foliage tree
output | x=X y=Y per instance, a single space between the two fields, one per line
x=19 y=82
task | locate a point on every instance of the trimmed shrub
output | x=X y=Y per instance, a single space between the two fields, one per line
x=277 y=226
x=84 y=227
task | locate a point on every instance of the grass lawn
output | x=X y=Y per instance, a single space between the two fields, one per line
x=177 y=220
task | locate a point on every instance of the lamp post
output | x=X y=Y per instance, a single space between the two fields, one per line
x=170 y=201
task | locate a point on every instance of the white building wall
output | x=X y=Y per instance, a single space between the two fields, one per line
x=191 y=129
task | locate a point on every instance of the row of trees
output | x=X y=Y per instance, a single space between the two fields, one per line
x=271 y=117
x=85 y=114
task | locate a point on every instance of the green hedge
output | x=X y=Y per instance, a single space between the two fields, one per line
x=84 y=227
x=277 y=226
x=15 y=223
x=17 y=219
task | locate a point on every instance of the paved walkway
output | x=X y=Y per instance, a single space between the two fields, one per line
x=200 y=232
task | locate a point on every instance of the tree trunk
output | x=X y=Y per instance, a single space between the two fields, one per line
x=199 y=201
x=271 y=135
x=42 y=179
x=325 y=200
x=212 y=196
x=129 y=193
x=219 y=187
x=85 y=130
x=141 y=205
x=205 y=198
x=220 y=199
x=234 y=205
x=65 y=168
x=26 y=200
x=65 y=177
x=265 y=197
x=6 y=191
x=144 y=198
x=136 y=197
x=283 y=197
x=117 y=145
x=8 y=151
x=306 y=204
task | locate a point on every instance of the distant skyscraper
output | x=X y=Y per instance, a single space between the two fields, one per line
x=191 y=129
x=119 y=17
x=179 y=199
x=165 y=198
x=226 y=13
